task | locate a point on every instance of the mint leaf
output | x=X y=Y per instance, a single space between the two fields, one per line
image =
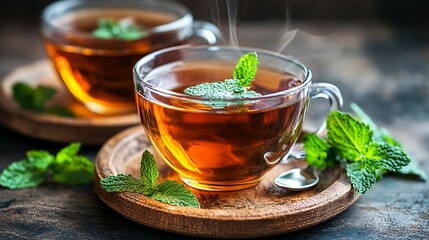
x=76 y=170
x=125 y=183
x=170 y=192
x=246 y=68
x=41 y=96
x=32 y=99
x=23 y=95
x=228 y=89
x=35 y=99
x=348 y=135
x=367 y=151
x=361 y=177
x=40 y=159
x=103 y=32
x=316 y=151
x=392 y=158
x=174 y=193
x=123 y=29
x=22 y=174
x=67 y=153
x=382 y=135
x=148 y=169
x=69 y=168
x=237 y=88
x=132 y=33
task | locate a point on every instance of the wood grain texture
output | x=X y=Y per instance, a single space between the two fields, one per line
x=87 y=127
x=263 y=210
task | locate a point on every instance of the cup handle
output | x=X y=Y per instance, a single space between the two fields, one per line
x=207 y=31
x=329 y=92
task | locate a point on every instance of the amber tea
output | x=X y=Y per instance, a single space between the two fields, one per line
x=98 y=71
x=231 y=148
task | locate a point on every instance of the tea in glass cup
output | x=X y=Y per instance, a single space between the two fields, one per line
x=223 y=144
x=94 y=45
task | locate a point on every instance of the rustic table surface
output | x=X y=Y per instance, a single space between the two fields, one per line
x=381 y=68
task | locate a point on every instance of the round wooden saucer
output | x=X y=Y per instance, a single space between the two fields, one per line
x=264 y=210
x=87 y=127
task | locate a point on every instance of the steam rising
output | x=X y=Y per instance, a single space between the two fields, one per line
x=232 y=9
x=294 y=42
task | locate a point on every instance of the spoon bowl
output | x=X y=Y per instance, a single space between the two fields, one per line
x=297 y=179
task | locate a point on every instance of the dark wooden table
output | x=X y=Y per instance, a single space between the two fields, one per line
x=383 y=69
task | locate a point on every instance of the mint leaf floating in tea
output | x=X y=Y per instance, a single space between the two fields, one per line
x=124 y=29
x=170 y=192
x=236 y=88
x=351 y=142
x=66 y=167
x=35 y=99
x=246 y=68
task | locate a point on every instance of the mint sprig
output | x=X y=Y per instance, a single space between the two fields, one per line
x=170 y=192
x=66 y=167
x=35 y=99
x=236 y=88
x=124 y=29
x=352 y=142
x=383 y=135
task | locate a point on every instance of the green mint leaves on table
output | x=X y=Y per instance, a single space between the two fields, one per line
x=170 y=192
x=366 y=151
x=236 y=88
x=382 y=135
x=35 y=99
x=66 y=167
x=123 y=29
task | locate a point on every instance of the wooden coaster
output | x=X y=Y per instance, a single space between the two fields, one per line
x=87 y=127
x=264 y=210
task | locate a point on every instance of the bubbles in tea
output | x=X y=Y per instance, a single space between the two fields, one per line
x=224 y=149
x=98 y=72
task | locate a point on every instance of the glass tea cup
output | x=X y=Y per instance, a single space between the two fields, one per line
x=217 y=144
x=97 y=70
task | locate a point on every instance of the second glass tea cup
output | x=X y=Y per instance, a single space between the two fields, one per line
x=97 y=71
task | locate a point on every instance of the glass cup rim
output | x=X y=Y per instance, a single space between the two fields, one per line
x=185 y=18
x=181 y=96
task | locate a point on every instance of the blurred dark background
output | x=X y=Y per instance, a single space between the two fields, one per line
x=414 y=13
